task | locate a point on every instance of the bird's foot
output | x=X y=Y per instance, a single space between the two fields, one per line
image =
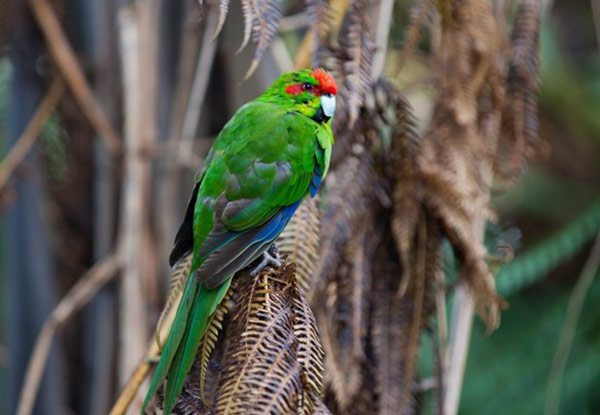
x=269 y=257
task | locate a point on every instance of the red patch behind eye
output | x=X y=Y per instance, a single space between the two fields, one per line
x=326 y=85
x=326 y=82
x=294 y=89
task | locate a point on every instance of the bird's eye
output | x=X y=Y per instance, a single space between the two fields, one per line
x=307 y=87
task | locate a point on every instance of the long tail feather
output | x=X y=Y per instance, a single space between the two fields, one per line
x=206 y=303
x=174 y=339
x=186 y=325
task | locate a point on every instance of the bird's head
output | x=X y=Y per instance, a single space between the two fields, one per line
x=309 y=92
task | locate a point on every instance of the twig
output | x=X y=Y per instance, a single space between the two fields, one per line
x=142 y=370
x=458 y=347
x=66 y=61
x=567 y=334
x=442 y=318
x=78 y=296
x=28 y=138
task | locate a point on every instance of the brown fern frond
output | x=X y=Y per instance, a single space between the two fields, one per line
x=450 y=178
x=310 y=352
x=248 y=13
x=420 y=16
x=397 y=321
x=391 y=320
x=223 y=10
x=389 y=108
x=350 y=189
x=320 y=15
x=266 y=15
x=321 y=409
x=263 y=368
x=357 y=46
x=177 y=283
x=300 y=241
x=345 y=316
x=520 y=114
x=209 y=340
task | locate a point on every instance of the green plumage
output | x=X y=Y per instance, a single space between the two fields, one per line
x=268 y=157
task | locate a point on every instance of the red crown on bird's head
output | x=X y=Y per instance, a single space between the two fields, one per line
x=326 y=82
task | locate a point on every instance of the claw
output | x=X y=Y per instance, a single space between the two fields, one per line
x=270 y=257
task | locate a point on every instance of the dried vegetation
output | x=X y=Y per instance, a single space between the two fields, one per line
x=368 y=257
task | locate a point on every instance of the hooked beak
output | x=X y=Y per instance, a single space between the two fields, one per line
x=328 y=105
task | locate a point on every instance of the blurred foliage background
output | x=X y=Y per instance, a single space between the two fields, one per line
x=59 y=209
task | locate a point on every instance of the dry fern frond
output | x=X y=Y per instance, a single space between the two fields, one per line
x=320 y=15
x=388 y=107
x=420 y=15
x=520 y=115
x=451 y=178
x=271 y=360
x=265 y=19
x=248 y=13
x=344 y=318
x=356 y=43
x=260 y=372
x=310 y=352
x=300 y=241
x=321 y=408
x=391 y=319
x=223 y=10
x=177 y=283
x=397 y=321
x=350 y=188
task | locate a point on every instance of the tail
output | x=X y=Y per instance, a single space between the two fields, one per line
x=196 y=306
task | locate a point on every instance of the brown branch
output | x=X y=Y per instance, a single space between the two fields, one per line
x=67 y=63
x=78 y=296
x=29 y=136
x=567 y=333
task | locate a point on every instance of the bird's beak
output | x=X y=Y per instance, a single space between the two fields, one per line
x=328 y=104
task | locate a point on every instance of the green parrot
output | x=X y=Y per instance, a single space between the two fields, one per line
x=273 y=152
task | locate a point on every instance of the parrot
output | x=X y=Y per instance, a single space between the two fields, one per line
x=269 y=156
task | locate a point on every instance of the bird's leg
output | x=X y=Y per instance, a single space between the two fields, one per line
x=269 y=257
